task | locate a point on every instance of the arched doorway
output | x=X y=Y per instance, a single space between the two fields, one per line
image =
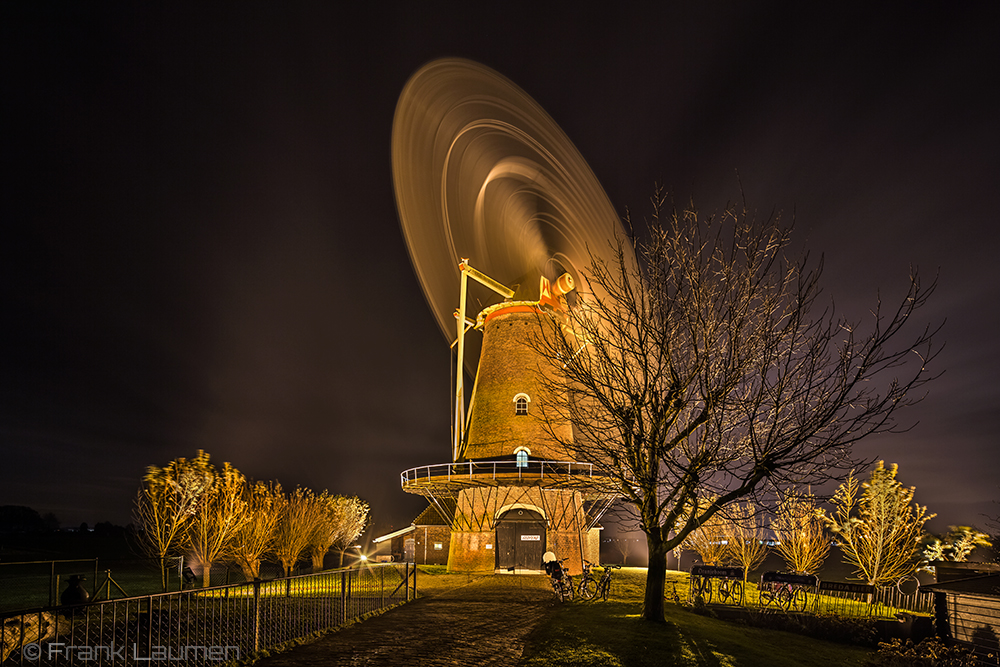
x=520 y=540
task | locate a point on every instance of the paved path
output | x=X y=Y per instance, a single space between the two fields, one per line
x=482 y=623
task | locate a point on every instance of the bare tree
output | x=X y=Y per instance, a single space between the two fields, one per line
x=624 y=546
x=350 y=515
x=264 y=505
x=800 y=531
x=166 y=502
x=878 y=531
x=704 y=371
x=746 y=542
x=218 y=518
x=296 y=527
x=324 y=530
x=709 y=540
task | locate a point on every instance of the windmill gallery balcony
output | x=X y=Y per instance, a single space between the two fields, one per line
x=445 y=479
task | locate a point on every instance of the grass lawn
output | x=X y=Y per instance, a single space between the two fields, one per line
x=611 y=633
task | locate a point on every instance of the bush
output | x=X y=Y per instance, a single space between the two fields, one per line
x=928 y=653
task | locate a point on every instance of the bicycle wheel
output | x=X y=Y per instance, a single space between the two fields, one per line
x=724 y=591
x=736 y=592
x=588 y=589
x=605 y=589
x=705 y=590
x=798 y=600
x=569 y=587
x=784 y=596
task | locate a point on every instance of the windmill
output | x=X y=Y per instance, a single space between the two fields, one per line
x=500 y=214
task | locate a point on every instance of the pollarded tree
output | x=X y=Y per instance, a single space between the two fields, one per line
x=166 y=502
x=800 y=531
x=746 y=542
x=351 y=516
x=879 y=530
x=217 y=520
x=324 y=530
x=704 y=371
x=296 y=527
x=265 y=504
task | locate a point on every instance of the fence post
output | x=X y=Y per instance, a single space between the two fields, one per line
x=149 y=618
x=53 y=593
x=93 y=585
x=343 y=596
x=256 y=614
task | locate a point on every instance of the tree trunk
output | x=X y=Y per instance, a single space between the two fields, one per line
x=248 y=569
x=656 y=575
x=163 y=573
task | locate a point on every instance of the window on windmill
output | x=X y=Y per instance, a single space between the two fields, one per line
x=522 y=457
x=521 y=404
x=438 y=546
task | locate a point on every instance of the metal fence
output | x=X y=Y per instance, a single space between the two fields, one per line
x=25 y=585
x=34 y=584
x=207 y=625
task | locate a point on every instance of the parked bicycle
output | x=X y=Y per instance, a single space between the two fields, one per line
x=785 y=596
x=588 y=584
x=604 y=585
x=786 y=591
x=729 y=589
x=562 y=582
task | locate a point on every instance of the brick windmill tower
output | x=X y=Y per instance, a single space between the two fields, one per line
x=485 y=177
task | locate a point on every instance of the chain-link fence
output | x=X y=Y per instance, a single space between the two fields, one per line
x=205 y=625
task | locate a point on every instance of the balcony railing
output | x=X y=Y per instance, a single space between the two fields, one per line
x=535 y=471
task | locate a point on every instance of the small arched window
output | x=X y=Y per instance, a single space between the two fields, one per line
x=522 y=456
x=521 y=404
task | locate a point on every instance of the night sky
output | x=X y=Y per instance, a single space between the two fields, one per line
x=200 y=247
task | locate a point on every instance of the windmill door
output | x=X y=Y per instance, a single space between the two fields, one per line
x=520 y=539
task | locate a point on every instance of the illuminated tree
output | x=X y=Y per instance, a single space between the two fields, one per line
x=704 y=370
x=955 y=546
x=709 y=540
x=217 y=520
x=166 y=502
x=339 y=522
x=296 y=527
x=746 y=542
x=799 y=529
x=264 y=504
x=878 y=531
x=352 y=516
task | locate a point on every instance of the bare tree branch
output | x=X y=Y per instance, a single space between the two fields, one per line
x=708 y=373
